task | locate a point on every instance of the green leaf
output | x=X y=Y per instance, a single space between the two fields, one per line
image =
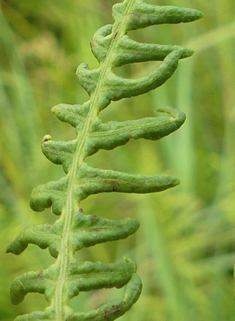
x=74 y=230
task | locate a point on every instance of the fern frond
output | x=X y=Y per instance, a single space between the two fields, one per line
x=75 y=230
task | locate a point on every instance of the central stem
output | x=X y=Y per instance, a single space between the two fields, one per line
x=65 y=255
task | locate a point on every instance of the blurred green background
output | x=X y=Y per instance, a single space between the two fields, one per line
x=185 y=247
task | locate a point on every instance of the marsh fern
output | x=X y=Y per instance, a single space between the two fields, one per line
x=74 y=230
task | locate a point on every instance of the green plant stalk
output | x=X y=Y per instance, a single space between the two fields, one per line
x=74 y=230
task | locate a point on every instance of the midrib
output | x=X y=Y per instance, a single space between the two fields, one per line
x=67 y=213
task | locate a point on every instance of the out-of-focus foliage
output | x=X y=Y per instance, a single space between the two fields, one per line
x=185 y=248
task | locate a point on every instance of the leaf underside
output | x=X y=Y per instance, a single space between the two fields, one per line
x=75 y=230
